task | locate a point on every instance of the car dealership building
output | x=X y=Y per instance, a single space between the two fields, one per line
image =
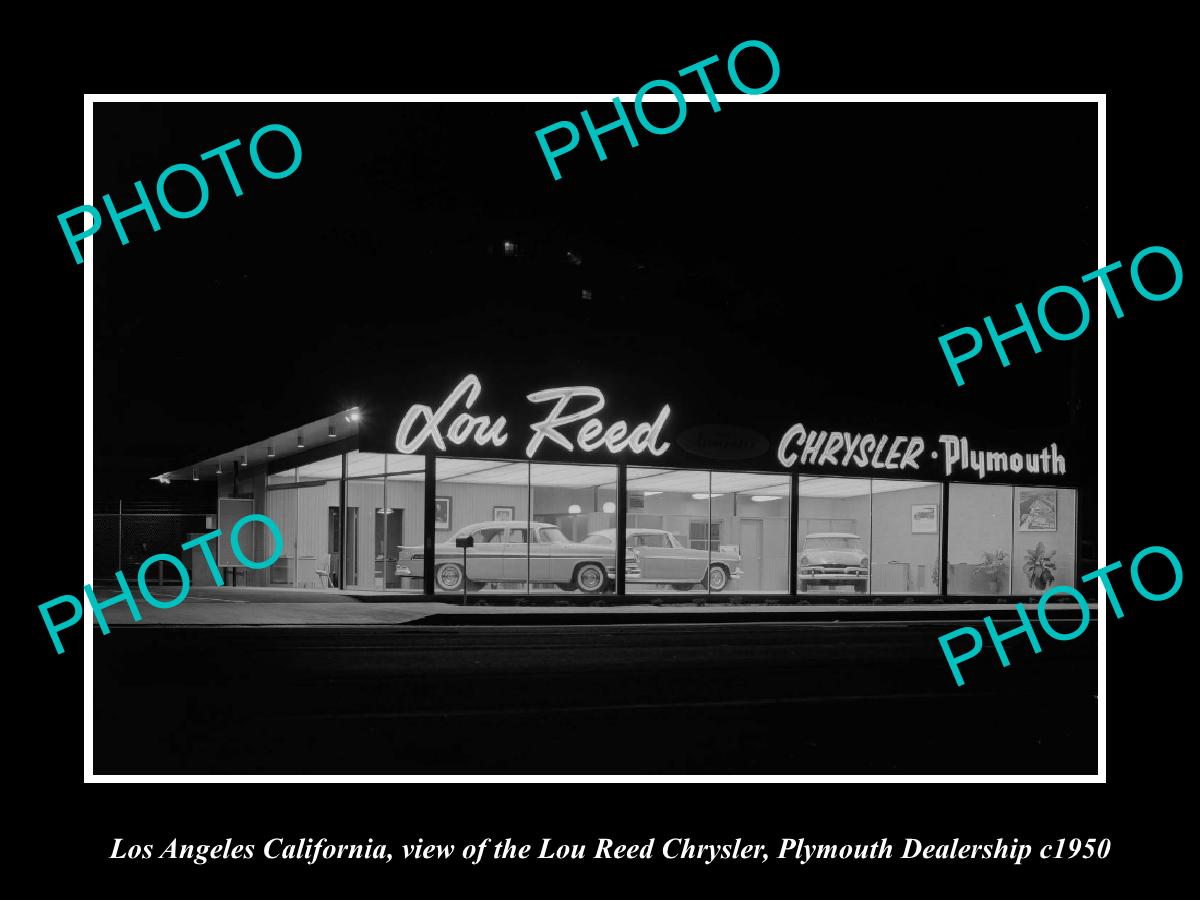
x=570 y=491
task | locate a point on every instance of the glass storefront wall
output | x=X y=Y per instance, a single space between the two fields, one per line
x=318 y=523
x=488 y=501
x=365 y=528
x=383 y=506
x=401 y=520
x=671 y=532
x=1010 y=541
x=281 y=508
x=751 y=521
x=906 y=540
x=979 y=550
x=1043 y=540
x=512 y=552
x=833 y=536
x=551 y=529
x=574 y=509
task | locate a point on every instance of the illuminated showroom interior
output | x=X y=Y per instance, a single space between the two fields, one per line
x=355 y=521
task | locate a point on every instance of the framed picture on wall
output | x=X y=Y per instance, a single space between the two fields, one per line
x=441 y=513
x=1037 y=509
x=924 y=518
x=503 y=513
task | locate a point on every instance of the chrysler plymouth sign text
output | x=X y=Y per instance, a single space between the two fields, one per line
x=866 y=451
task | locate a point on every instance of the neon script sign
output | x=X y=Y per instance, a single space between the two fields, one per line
x=424 y=423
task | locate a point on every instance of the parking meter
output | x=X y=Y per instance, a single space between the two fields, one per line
x=466 y=543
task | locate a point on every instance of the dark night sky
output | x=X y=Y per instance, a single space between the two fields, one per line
x=797 y=260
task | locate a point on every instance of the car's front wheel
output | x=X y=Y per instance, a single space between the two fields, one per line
x=718 y=578
x=590 y=578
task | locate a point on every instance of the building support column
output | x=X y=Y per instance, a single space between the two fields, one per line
x=622 y=509
x=430 y=517
x=342 y=526
x=793 y=533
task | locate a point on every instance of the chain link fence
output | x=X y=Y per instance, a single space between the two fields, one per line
x=126 y=533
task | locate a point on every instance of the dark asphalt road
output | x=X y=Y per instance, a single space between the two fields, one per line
x=656 y=698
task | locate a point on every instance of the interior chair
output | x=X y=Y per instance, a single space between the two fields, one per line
x=322 y=572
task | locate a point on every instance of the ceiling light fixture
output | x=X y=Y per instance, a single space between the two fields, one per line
x=332 y=429
x=270 y=451
x=195 y=474
x=353 y=414
x=219 y=472
x=764 y=498
x=299 y=440
x=574 y=509
x=706 y=496
x=610 y=507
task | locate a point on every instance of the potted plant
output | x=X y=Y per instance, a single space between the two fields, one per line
x=1039 y=567
x=995 y=569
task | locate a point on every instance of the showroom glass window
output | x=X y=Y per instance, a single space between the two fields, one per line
x=833 y=538
x=1043 y=539
x=675 y=507
x=281 y=508
x=487 y=499
x=751 y=514
x=905 y=536
x=571 y=541
x=364 y=524
x=979 y=547
x=403 y=517
x=318 y=523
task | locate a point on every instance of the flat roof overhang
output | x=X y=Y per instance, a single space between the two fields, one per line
x=331 y=429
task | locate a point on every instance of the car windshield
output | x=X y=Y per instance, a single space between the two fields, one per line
x=551 y=536
x=832 y=543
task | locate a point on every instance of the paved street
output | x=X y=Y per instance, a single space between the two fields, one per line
x=502 y=691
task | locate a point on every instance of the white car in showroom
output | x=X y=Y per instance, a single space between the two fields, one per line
x=832 y=559
x=516 y=553
x=662 y=559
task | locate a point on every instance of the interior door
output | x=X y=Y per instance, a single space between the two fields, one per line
x=752 y=560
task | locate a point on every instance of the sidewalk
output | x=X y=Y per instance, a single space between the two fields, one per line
x=230 y=606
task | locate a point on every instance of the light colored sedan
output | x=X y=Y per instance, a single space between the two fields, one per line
x=516 y=553
x=832 y=559
x=662 y=559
